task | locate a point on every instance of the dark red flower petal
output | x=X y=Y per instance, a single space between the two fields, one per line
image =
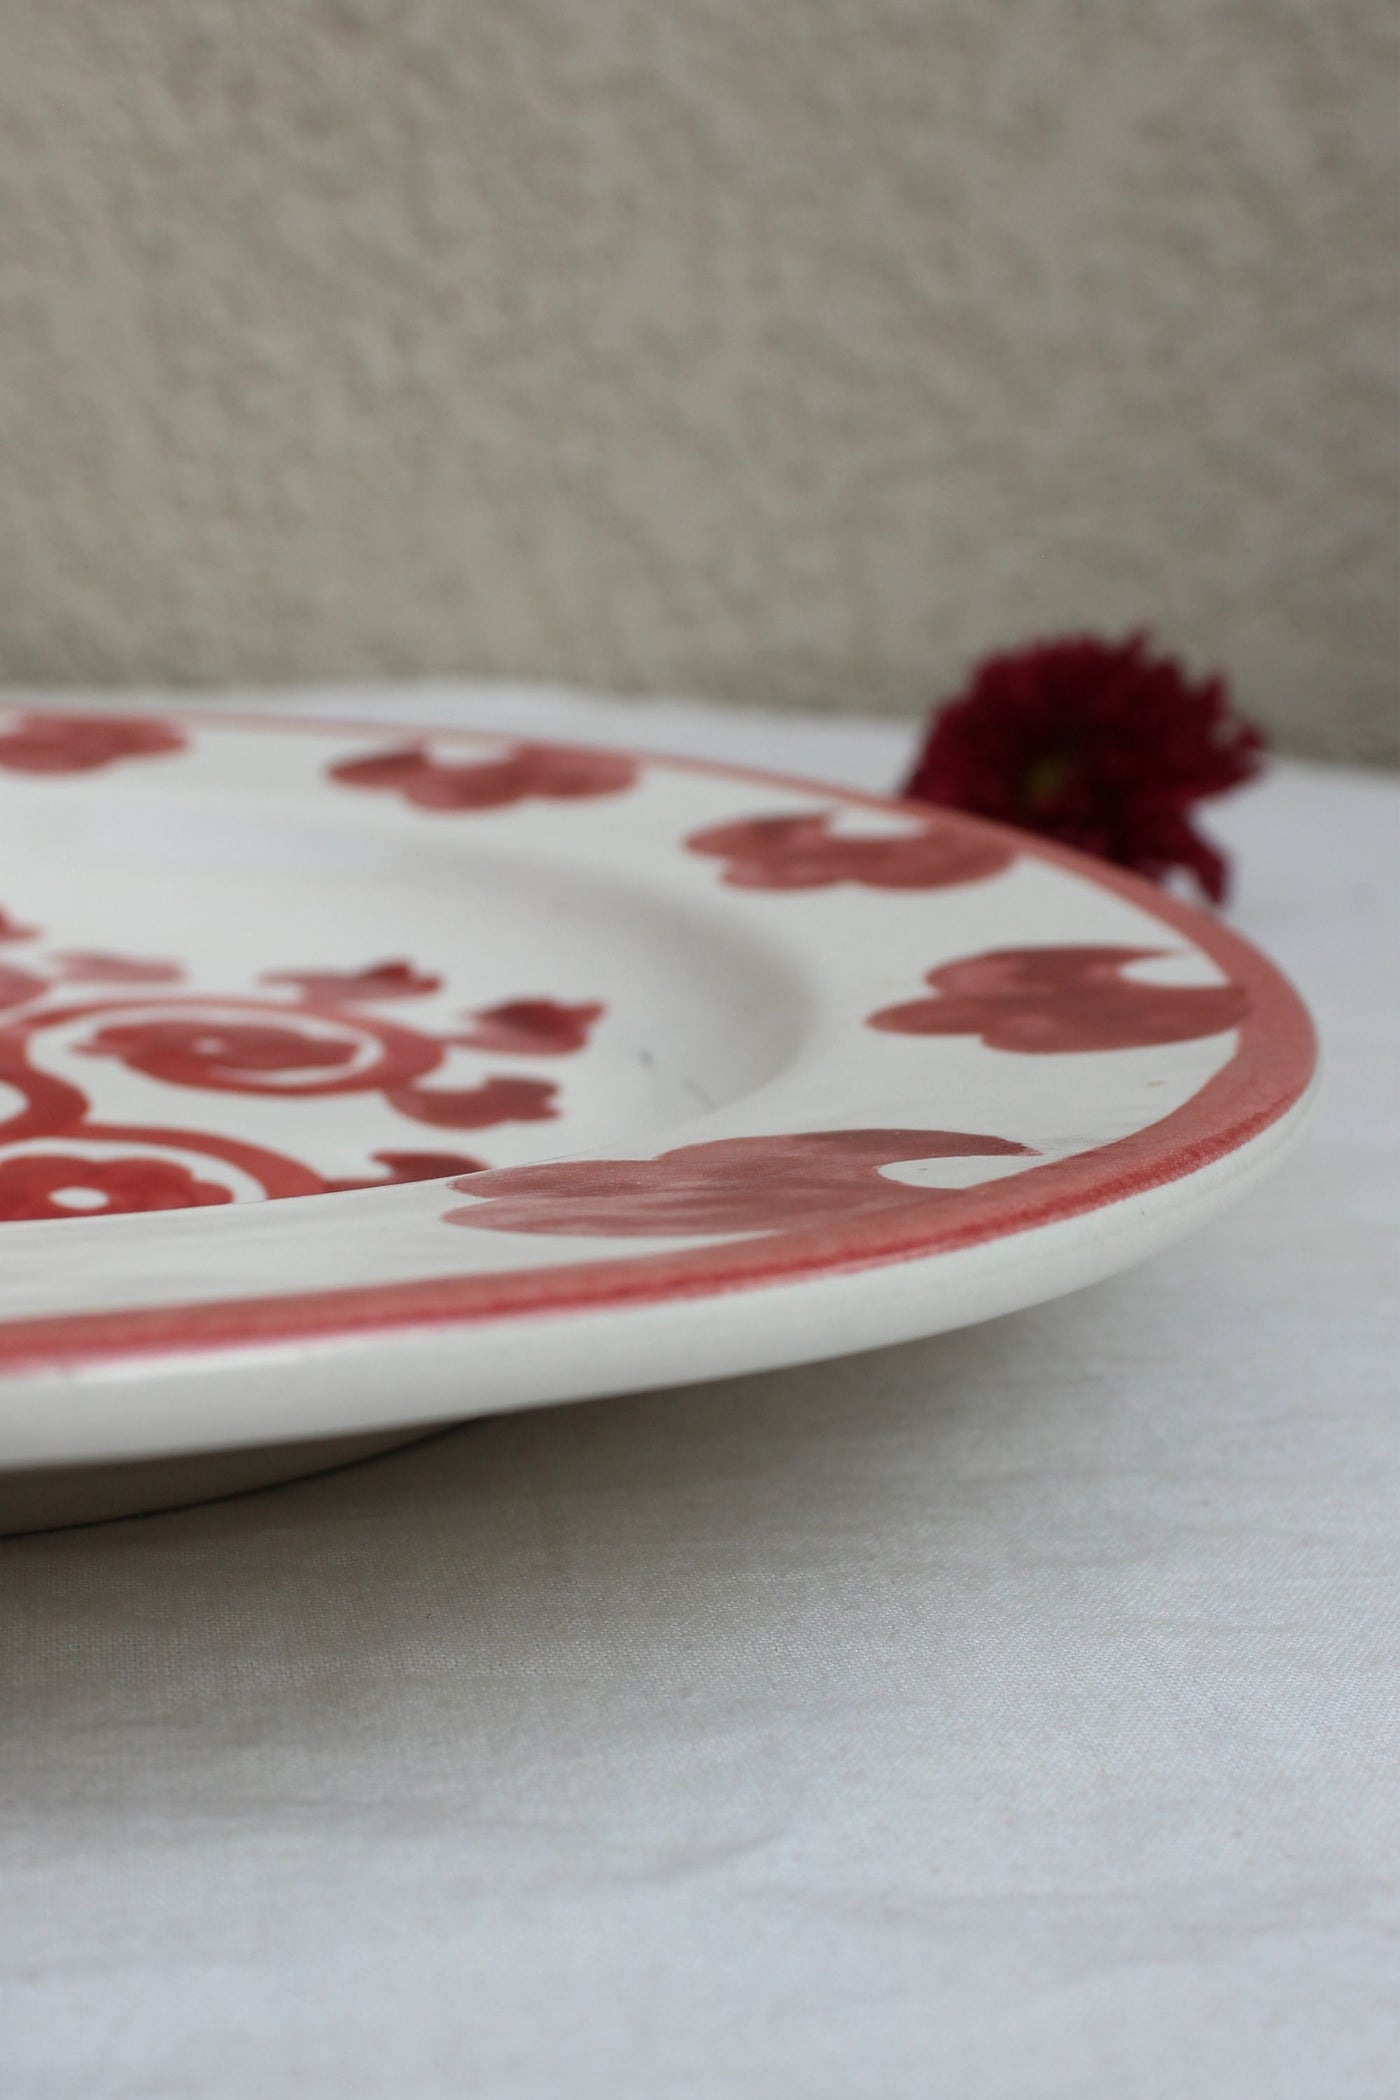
x=1101 y=745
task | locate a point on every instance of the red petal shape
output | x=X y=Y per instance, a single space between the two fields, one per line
x=1101 y=745
x=755 y=1184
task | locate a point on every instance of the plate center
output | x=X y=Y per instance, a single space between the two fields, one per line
x=212 y=1002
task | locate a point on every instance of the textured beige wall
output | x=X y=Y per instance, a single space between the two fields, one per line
x=783 y=349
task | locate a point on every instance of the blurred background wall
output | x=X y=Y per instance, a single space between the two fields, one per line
x=787 y=350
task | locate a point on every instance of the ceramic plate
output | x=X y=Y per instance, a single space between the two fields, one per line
x=353 y=1079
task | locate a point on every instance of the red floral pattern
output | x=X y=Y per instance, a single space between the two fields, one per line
x=35 y=1184
x=90 y=967
x=424 y=1166
x=731 y=1185
x=531 y=1028
x=530 y=772
x=17 y=987
x=44 y=743
x=386 y=980
x=803 y=853
x=319 y=1042
x=1047 y=1000
x=283 y=1052
x=477 y=1107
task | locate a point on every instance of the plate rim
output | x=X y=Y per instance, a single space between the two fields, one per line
x=1268 y=1078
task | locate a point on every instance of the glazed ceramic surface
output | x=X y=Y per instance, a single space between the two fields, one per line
x=352 y=1078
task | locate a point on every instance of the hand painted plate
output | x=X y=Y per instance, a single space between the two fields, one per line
x=354 y=1079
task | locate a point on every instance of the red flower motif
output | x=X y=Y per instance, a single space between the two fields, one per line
x=530 y=771
x=477 y=1107
x=387 y=980
x=1098 y=744
x=265 y=1054
x=753 y=1184
x=92 y=968
x=421 y=1166
x=17 y=986
x=802 y=853
x=324 y=1044
x=1048 y=1000
x=531 y=1028
x=44 y=743
x=65 y=1185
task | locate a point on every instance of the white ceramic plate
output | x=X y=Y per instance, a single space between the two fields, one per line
x=353 y=1079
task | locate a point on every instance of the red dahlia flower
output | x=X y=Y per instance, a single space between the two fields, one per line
x=1099 y=744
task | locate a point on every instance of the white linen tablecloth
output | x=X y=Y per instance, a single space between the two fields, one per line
x=1003 y=1717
